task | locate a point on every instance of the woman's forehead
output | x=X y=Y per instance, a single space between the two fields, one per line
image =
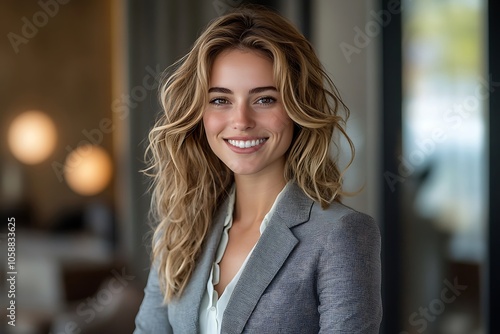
x=241 y=68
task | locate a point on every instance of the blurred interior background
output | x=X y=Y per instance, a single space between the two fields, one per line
x=78 y=95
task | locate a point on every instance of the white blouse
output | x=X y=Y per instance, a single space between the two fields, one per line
x=212 y=306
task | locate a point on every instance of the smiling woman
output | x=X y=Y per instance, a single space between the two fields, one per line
x=245 y=121
x=251 y=235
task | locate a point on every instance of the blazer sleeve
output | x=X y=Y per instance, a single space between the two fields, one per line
x=349 y=277
x=153 y=315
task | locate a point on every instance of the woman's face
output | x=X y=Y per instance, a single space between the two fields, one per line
x=245 y=121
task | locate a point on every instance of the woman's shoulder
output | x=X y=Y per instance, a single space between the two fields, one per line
x=296 y=207
x=342 y=220
x=338 y=211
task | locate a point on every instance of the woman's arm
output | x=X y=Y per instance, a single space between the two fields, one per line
x=153 y=316
x=349 y=277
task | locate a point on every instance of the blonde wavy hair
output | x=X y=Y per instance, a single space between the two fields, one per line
x=189 y=182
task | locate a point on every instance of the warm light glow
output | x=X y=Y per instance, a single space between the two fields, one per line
x=32 y=137
x=88 y=170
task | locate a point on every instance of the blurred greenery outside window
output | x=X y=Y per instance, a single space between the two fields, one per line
x=445 y=89
x=444 y=161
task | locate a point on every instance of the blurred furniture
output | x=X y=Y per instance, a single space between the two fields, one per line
x=71 y=276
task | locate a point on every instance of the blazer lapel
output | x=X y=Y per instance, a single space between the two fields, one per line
x=187 y=307
x=269 y=255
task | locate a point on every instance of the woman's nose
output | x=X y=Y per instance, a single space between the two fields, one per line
x=243 y=117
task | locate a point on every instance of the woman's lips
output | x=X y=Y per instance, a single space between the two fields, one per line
x=245 y=145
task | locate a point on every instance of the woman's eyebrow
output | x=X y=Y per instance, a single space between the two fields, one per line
x=255 y=90
x=220 y=90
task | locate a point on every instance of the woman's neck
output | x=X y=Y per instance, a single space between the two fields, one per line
x=255 y=197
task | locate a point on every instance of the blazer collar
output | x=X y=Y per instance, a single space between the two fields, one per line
x=269 y=255
x=294 y=207
x=271 y=251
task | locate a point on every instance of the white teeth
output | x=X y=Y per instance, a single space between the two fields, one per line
x=247 y=143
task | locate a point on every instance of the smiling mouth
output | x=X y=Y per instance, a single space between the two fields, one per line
x=246 y=143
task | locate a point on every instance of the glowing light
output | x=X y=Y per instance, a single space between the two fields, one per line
x=88 y=170
x=32 y=137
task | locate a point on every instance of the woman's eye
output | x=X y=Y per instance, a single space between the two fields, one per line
x=266 y=100
x=218 y=101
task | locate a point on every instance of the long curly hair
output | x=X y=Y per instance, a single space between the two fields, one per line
x=189 y=181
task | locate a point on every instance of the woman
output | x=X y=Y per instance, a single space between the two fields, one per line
x=252 y=236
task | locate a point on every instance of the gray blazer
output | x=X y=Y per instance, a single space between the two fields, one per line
x=312 y=271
